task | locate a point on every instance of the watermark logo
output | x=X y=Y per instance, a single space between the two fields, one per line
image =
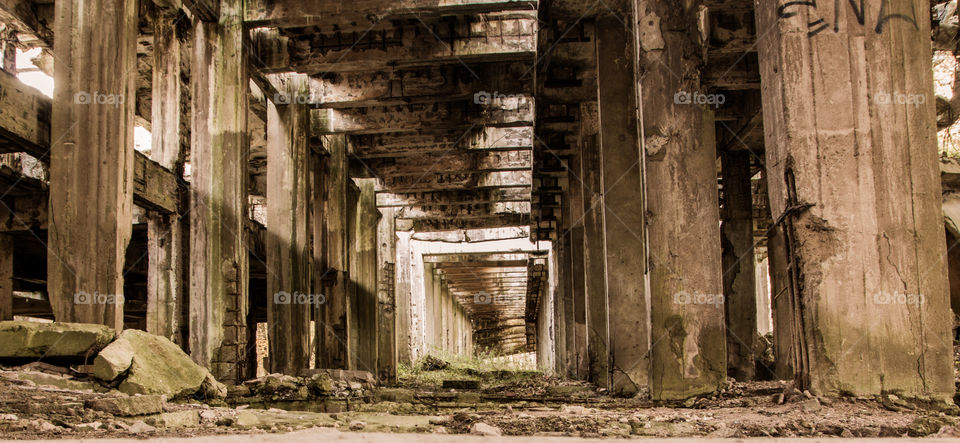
x=896 y=98
x=895 y=298
x=98 y=98
x=283 y=98
x=298 y=298
x=484 y=298
x=96 y=298
x=489 y=98
x=698 y=98
x=688 y=298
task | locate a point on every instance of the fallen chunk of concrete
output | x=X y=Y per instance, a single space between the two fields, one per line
x=41 y=340
x=177 y=419
x=481 y=428
x=128 y=406
x=159 y=367
x=140 y=427
x=113 y=360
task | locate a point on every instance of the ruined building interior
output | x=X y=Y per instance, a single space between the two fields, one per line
x=312 y=219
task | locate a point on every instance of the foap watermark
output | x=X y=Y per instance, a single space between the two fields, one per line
x=896 y=298
x=898 y=98
x=484 y=298
x=96 y=298
x=282 y=98
x=694 y=298
x=489 y=98
x=298 y=298
x=699 y=98
x=98 y=98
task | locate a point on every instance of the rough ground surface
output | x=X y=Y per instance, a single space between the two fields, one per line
x=41 y=405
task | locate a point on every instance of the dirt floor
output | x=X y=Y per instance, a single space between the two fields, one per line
x=41 y=404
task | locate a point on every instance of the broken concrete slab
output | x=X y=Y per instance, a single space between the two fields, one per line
x=128 y=406
x=160 y=367
x=113 y=360
x=26 y=339
x=176 y=419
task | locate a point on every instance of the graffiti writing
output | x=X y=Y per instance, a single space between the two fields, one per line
x=817 y=24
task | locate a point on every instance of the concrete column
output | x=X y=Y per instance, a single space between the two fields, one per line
x=165 y=232
x=8 y=49
x=404 y=295
x=850 y=127
x=688 y=346
x=437 y=312
x=289 y=298
x=332 y=328
x=623 y=209
x=739 y=279
x=363 y=273
x=352 y=313
x=386 y=303
x=6 y=277
x=560 y=249
x=219 y=268
x=577 y=322
x=91 y=159
x=595 y=275
x=429 y=287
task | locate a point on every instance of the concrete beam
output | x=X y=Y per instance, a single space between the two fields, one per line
x=290 y=13
x=458 y=117
x=494 y=37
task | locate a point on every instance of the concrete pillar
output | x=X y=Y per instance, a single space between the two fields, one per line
x=386 y=303
x=165 y=232
x=430 y=284
x=6 y=277
x=363 y=274
x=577 y=322
x=352 y=313
x=560 y=248
x=595 y=275
x=688 y=354
x=219 y=268
x=332 y=328
x=404 y=296
x=289 y=298
x=437 y=312
x=91 y=159
x=623 y=217
x=850 y=127
x=739 y=279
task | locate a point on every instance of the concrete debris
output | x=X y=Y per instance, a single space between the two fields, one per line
x=128 y=406
x=481 y=428
x=19 y=339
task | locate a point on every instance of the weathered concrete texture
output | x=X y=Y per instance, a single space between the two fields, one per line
x=165 y=232
x=91 y=159
x=219 y=263
x=38 y=340
x=289 y=299
x=624 y=221
x=387 y=359
x=332 y=326
x=853 y=180
x=159 y=367
x=363 y=274
x=739 y=279
x=596 y=310
x=113 y=360
x=688 y=354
